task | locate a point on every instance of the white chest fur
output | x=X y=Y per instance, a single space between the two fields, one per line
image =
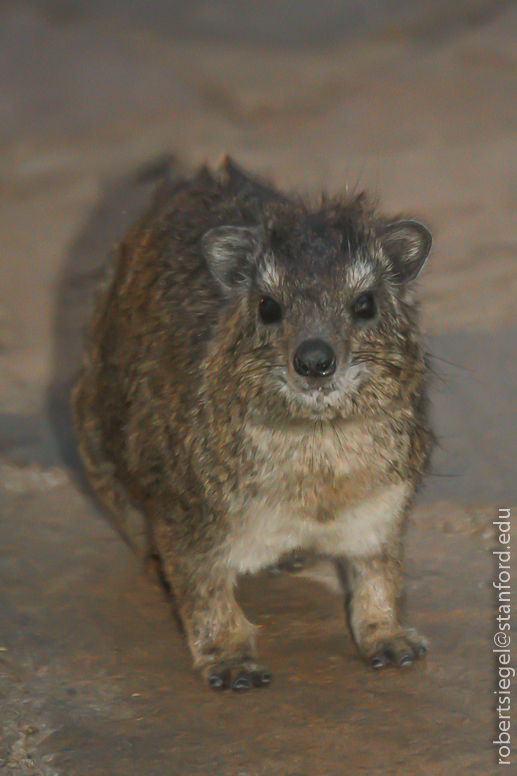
x=297 y=477
x=265 y=534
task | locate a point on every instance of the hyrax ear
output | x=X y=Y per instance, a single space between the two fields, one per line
x=230 y=252
x=407 y=245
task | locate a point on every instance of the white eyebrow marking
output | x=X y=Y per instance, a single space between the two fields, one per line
x=269 y=272
x=360 y=273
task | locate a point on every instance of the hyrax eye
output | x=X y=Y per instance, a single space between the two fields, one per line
x=269 y=310
x=364 y=306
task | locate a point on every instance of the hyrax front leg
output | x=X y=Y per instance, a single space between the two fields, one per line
x=374 y=586
x=219 y=636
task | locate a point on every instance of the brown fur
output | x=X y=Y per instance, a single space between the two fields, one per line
x=190 y=413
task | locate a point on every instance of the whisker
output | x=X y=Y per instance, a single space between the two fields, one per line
x=433 y=357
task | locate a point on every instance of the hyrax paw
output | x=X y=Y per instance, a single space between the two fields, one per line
x=239 y=677
x=401 y=649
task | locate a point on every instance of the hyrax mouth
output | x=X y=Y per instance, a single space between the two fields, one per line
x=346 y=379
x=330 y=396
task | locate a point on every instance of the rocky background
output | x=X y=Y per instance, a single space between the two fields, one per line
x=414 y=102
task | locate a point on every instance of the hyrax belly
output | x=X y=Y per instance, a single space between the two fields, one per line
x=269 y=527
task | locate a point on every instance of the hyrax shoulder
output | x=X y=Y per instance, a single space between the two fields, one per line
x=254 y=384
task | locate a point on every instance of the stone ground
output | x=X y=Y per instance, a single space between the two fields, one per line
x=421 y=108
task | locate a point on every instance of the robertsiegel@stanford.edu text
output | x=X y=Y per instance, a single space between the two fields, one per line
x=502 y=638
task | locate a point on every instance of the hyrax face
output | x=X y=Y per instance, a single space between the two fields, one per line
x=322 y=307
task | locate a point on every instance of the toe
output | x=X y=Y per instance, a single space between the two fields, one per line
x=380 y=659
x=242 y=682
x=261 y=678
x=405 y=658
x=219 y=679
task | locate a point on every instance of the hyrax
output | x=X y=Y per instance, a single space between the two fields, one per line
x=253 y=385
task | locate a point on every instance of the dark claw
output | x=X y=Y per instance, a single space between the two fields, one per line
x=291 y=563
x=220 y=681
x=241 y=683
x=215 y=682
x=406 y=659
x=381 y=659
x=295 y=564
x=261 y=678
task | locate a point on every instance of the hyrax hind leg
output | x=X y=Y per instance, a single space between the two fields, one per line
x=101 y=475
x=219 y=636
x=374 y=586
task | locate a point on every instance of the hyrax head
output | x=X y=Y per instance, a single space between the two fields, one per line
x=320 y=305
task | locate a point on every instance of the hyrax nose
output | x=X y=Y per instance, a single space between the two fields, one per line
x=314 y=358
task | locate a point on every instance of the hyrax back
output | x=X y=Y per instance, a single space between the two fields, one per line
x=254 y=384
